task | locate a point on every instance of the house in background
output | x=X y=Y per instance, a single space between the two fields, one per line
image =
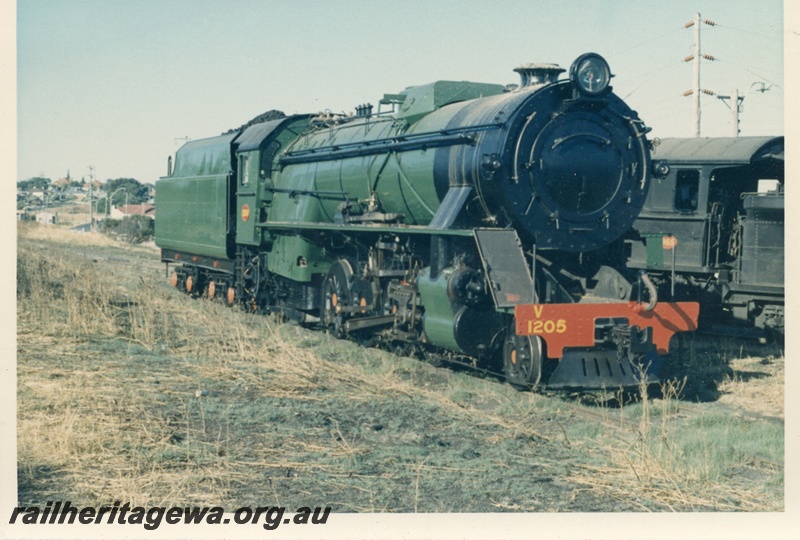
x=47 y=218
x=120 y=212
x=38 y=193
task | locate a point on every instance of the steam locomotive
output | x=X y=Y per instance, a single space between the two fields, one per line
x=712 y=229
x=473 y=221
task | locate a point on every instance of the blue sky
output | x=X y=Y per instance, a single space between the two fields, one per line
x=117 y=84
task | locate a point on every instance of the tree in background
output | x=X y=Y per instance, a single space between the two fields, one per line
x=138 y=193
x=124 y=189
x=37 y=182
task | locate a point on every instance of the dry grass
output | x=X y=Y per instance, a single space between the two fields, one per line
x=33 y=231
x=756 y=384
x=128 y=390
x=83 y=428
x=71 y=215
x=77 y=418
x=681 y=463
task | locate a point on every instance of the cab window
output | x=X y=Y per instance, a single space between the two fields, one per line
x=244 y=171
x=687 y=187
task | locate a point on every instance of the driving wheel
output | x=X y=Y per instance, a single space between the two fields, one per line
x=336 y=296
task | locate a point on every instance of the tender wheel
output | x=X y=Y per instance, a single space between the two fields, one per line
x=522 y=360
x=211 y=290
x=335 y=296
x=189 y=284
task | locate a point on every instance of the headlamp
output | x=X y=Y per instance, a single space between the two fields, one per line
x=590 y=74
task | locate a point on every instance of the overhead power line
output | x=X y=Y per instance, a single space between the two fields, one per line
x=754 y=33
x=647 y=41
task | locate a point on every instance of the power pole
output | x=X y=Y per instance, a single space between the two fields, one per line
x=735 y=107
x=91 y=202
x=737 y=103
x=696 y=57
x=696 y=79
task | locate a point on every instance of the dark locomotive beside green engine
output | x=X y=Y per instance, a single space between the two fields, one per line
x=719 y=202
x=429 y=225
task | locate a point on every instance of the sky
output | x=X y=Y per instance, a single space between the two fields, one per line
x=119 y=85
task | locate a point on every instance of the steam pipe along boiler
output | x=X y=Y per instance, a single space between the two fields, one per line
x=477 y=222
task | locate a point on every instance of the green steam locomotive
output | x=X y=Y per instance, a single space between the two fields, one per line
x=473 y=221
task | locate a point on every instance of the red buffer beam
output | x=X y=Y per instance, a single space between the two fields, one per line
x=573 y=325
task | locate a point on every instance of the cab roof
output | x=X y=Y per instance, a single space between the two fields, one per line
x=714 y=150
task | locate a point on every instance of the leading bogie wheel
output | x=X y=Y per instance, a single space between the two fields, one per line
x=522 y=360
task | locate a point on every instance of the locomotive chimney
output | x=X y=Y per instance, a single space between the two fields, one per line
x=536 y=74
